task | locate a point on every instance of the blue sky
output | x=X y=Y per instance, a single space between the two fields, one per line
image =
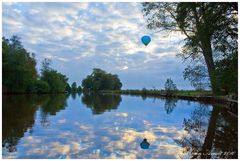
x=78 y=37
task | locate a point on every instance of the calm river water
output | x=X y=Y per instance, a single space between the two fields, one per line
x=115 y=126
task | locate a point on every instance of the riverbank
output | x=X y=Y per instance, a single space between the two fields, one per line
x=30 y=93
x=205 y=96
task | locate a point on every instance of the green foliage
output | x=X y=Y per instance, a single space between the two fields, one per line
x=100 y=80
x=211 y=30
x=20 y=74
x=193 y=93
x=79 y=89
x=158 y=93
x=144 y=91
x=68 y=88
x=41 y=86
x=74 y=86
x=18 y=66
x=46 y=63
x=227 y=74
x=197 y=75
x=170 y=87
x=38 y=86
x=57 y=82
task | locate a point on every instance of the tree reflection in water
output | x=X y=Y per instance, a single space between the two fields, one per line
x=74 y=94
x=53 y=104
x=19 y=115
x=209 y=133
x=215 y=137
x=18 y=112
x=99 y=103
x=170 y=104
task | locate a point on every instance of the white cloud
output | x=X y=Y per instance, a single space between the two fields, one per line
x=49 y=56
x=106 y=35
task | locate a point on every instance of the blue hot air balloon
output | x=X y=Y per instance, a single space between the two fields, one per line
x=146 y=40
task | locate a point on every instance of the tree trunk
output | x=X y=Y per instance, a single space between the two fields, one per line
x=208 y=56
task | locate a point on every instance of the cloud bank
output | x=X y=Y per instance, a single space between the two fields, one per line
x=81 y=36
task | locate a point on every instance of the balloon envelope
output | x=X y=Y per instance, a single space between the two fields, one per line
x=146 y=40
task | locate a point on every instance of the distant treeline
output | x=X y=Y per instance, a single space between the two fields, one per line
x=161 y=92
x=73 y=88
x=20 y=76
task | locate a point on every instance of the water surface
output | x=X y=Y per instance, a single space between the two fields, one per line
x=115 y=126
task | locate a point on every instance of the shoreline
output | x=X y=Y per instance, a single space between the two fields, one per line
x=25 y=93
x=230 y=103
x=201 y=98
x=154 y=94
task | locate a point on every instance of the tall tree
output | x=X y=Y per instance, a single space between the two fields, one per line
x=68 y=88
x=74 y=86
x=210 y=29
x=101 y=80
x=57 y=82
x=46 y=65
x=18 y=66
x=170 y=87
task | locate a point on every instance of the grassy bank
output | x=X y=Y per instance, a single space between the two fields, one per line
x=205 y=96
x=161 y=92
x=193 y=93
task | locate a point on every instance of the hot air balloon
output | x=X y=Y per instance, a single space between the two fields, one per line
x=146 y=40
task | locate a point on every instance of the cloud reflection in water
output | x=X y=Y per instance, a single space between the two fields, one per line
x=75 y=132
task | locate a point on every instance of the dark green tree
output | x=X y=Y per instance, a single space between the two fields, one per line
x=46 y=65
x=227 y=74
x=170 y=87
x=38 y=86
x=18 y=66
x=101 y=80
x=211 y=29
x=79 y=89
x=57 y=82
x=74 y=87
x=20 y=74
x=68 y=88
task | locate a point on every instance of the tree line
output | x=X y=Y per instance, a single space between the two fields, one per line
x=211 y=45
x=20 y=74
